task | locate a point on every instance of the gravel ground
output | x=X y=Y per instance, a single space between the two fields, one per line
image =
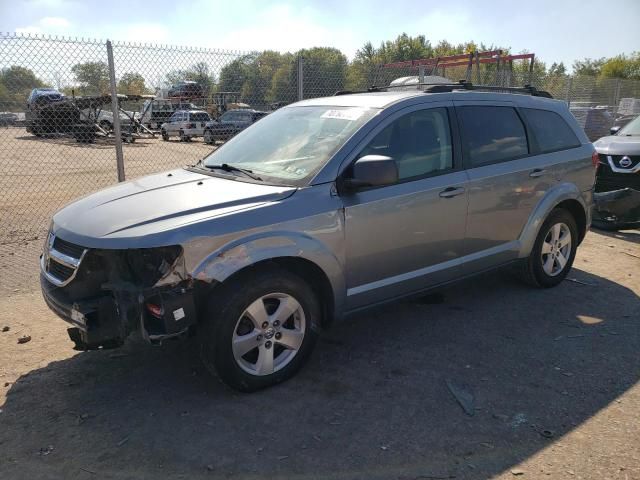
x=553 y=375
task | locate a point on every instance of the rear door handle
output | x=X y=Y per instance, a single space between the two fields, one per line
x=451 y=192
x=538 y=172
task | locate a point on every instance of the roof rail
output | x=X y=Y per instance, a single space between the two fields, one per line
x=449 y=87
x=464 y=85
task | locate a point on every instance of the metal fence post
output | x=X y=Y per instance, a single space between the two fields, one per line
x=300 y=79
x=116 y=113
x=569 y=82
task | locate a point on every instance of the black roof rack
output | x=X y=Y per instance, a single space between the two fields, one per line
x=461 y=85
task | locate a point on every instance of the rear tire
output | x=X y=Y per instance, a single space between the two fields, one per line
x=207 y=136
x=553 y=252
x=270 y=308
x=165 y=136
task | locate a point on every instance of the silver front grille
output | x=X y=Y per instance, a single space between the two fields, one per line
x=60 y=267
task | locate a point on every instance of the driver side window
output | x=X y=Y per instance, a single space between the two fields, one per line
x=419 y=142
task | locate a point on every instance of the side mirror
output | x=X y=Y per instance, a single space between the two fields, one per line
x=614 y=130
x=372 y=171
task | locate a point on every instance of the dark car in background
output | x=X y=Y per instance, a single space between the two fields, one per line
x=230 y=123
x=8 y=118
x=617 y=190
x=595 y=121
x=186 y=89
x=43 y=96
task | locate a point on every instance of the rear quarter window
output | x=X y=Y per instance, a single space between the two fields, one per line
x=551 y=131
x=491 y=134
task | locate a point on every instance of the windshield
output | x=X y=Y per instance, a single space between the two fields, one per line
x=292 y=144
x=631 y=129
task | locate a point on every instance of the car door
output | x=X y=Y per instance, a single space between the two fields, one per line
x=226 y=123
x=506 y=181
x=407 y=236
x=172 y=125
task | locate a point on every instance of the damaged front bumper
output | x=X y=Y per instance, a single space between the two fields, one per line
x=617 y=209
x=105 y=320
x=107 y=294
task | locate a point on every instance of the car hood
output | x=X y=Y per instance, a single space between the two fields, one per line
x=618 y=145
x=149 y=211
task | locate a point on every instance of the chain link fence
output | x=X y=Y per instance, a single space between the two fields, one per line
x=77 y=115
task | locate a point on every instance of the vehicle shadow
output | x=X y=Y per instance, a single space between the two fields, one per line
x=67 y=141
x=373 y=403
x=632 y=236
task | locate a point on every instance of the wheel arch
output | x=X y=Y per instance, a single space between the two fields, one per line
x=298 y=254
x=564 y=195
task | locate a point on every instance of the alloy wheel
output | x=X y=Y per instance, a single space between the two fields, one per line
x=268 y=334
x=556 y=249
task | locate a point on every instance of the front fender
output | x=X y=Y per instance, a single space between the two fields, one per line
x=556 y=195
x=234 y=256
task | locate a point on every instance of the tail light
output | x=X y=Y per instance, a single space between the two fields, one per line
x=595 y=160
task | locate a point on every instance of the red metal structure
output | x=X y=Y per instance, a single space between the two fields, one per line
x=465 y=59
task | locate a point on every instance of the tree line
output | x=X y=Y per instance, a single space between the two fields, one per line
x=267 y=77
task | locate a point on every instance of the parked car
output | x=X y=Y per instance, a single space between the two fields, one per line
x=231 y=123
x=186 y=90
x=596 y=121
x=185 y=124
x=7 y=119
x=104 y=118
x=628 y=110
x=50 y=112
x=154 y=113
x=43 y=96
x=321 y=209
x=617 y=188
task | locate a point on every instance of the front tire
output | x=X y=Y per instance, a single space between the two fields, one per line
x=208 y=137
x=554 y=250
x=259 y=329
x=165 y=136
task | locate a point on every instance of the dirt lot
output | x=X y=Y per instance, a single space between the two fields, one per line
x=40 y=175
x=554 y=375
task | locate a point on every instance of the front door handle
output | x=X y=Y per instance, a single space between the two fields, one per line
x=538 y=172
x=451 y=192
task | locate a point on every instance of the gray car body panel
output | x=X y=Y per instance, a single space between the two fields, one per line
x=418 y=239
x=618 y=145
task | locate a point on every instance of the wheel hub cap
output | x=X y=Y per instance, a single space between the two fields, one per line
x=268 y=334
x=556 y=249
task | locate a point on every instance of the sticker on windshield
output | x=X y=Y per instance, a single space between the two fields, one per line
x=350 y=114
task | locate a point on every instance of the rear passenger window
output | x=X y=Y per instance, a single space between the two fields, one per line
x=491 y=134
x=550 y=130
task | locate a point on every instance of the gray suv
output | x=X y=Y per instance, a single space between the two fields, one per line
x=323 y=208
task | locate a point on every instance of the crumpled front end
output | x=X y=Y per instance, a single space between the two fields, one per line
x=105 y=295
x=618 y=208
x=617 y=192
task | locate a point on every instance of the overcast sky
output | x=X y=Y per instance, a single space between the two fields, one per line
x=558 y=30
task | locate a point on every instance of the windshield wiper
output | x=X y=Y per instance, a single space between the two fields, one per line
x=231 y=168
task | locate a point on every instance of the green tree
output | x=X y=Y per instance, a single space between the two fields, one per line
x=15 y=85
x=325 y=71
x=557 y=69
x=92 y=77
x=588 y=66
x=132 y=84
x=622 y=66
